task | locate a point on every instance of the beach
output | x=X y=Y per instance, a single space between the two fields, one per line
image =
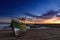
x=32 y=34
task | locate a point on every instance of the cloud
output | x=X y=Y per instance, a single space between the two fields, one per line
x=32 y=15
x=49 y=14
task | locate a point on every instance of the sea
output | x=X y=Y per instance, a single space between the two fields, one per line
x=4 y=26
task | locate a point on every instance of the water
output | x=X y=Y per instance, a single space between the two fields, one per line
x=4 y=26
x=40 y=27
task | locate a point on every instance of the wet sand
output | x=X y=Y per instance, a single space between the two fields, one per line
x=33 y=34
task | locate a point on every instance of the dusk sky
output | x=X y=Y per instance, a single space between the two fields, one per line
x=19 y=7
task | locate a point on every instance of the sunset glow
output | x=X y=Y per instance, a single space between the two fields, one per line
x=54 y=20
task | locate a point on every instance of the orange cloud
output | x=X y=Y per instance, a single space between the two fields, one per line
x=54 y=20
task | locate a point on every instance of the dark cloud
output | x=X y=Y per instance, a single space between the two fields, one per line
x=32 y=15
x=50 y=14
x=47 y=15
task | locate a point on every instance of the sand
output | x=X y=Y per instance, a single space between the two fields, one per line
x=33 y=34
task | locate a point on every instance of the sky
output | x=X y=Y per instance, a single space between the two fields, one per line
x=19 y=7
x=35 y=8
